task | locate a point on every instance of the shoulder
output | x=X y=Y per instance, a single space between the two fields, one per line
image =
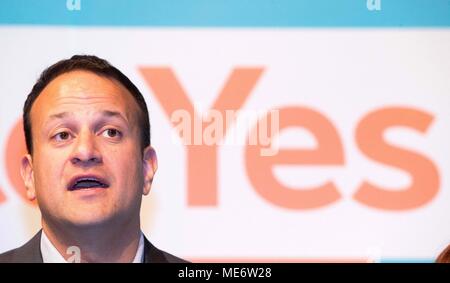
x=8 y=256
x=154 y=255
x=173 y=259
x=29 y=252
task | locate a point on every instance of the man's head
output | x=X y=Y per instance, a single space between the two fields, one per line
x=88 y=137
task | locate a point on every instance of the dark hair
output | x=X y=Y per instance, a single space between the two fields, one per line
x=444 y=256
x=95 y=65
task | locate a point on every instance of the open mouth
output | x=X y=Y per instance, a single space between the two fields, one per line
x=84 y=183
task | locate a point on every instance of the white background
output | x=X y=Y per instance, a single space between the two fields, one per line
x=342 y=73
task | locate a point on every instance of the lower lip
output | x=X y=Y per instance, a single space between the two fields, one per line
x=89 y=191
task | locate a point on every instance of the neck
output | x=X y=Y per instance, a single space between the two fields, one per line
x=100 y=243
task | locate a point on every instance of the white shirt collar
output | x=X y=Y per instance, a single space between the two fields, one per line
x=51 y=255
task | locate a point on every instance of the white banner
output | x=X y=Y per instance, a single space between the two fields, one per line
x=361 y=171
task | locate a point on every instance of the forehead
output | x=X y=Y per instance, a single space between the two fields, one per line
x=83 y=90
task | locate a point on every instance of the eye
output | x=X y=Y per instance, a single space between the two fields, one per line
x=62 y=136
x=112 y=133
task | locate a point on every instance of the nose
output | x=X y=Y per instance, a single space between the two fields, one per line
x=85 y=152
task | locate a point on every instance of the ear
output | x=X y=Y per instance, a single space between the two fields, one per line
x=26 y=170
x=150 y=165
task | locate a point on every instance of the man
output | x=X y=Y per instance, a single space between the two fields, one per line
x=89 y=162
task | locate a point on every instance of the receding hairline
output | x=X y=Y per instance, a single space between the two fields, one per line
x=108 y=77
x=101 y=75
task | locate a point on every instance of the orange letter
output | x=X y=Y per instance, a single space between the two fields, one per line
x=328 y=152
x=2 y=196
x=425 y=177
x=201 y=158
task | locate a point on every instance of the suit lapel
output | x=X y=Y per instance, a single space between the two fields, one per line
x=30 y=252
x=152 y=254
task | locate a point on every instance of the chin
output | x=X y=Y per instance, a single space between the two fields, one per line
x=90 y=219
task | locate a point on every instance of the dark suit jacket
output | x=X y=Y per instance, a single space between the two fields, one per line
x=31 y=252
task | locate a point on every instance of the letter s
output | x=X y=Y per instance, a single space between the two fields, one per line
x=423 y=172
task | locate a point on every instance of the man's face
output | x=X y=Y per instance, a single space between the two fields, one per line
x=87 y=166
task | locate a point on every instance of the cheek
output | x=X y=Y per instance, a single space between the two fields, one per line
x=126 y=166
x=48 y=170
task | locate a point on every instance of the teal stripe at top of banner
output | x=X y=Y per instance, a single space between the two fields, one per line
x=227 y=13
